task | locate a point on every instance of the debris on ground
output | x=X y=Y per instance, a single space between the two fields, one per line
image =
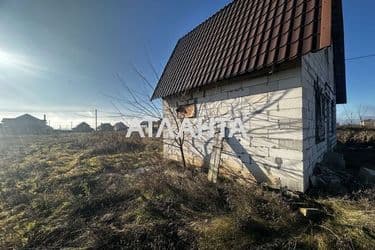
x=367 y=176
x=331 y=180
x=334 y=161
x=290 y=194
x=312 y=213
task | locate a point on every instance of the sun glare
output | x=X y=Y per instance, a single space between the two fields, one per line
x=18 y=62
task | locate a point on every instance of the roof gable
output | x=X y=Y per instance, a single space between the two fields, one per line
x=120 y=125
x=25 y=117
x=244 y=37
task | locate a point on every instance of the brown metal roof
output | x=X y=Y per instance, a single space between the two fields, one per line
x=243 y=37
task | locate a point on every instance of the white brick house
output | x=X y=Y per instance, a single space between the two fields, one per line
x=276 y=65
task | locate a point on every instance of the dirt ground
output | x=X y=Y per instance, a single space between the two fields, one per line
x=100 y=191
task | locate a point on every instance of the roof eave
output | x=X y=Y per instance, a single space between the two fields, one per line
x=339 y=52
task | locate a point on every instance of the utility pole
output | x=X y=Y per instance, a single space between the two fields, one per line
x=96 y=120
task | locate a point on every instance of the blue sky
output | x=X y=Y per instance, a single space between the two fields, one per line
x=61 y=57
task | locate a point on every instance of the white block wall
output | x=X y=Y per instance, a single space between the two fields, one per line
x=317 y=67
x=278 y=114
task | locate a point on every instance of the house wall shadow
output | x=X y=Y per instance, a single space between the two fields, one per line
x=268 y=124
x=241 y=153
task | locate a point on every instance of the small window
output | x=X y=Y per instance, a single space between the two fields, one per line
x=333 y=117
x=320 y=114
x=186 y=111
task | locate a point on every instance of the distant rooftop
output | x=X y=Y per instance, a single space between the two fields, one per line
x=22 y=117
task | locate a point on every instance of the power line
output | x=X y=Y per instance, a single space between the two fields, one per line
x=360 y=57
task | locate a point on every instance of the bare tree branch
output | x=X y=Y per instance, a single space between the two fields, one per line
x=143 y=77
x=157 y=76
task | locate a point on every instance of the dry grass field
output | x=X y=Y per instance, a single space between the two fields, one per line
x=106 y=191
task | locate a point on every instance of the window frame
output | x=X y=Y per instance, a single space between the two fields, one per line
x=320 y=112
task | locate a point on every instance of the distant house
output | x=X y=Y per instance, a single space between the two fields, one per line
x=155 y=126
x=25 y=124
x=144 y=125
x=278 y=66
x=83 y=127
x=120 y=127
x=368 y=123
x=105 y=127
